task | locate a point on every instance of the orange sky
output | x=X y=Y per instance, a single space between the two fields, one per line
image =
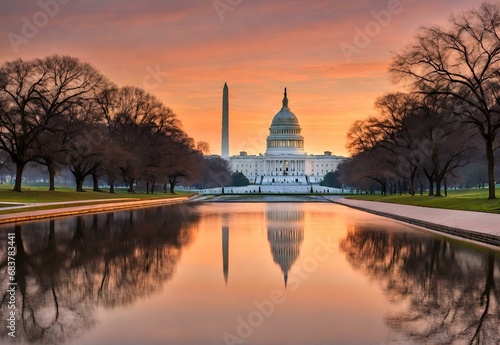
x=184 y=51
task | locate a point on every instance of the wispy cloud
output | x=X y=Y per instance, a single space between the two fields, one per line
x=259 y=48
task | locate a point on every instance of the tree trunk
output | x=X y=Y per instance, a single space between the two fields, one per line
x=19 y=176
x=413 y=178
x=95 y=180
x=79 y=184
x=438 y=186
x=52 y=174
x=384 y=188
x=153 y=187
x=165 y=187
x=147 y=187
x=490 y=155
x=173 y=182
x=131 y=186
x=111 y=188
x=430 y=177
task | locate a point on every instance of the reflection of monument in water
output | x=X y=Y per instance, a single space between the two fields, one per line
x=225 y=252
x=285 y=232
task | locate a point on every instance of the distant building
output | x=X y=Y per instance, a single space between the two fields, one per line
x=285 y=162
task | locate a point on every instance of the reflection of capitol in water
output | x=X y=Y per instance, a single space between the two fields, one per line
x=285 y=232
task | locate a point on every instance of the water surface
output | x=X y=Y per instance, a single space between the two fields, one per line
x=277 y=273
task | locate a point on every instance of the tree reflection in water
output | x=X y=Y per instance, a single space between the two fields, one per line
x=67 y=268
x=442 y=292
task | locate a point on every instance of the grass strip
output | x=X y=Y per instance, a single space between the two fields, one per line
x=463 y=200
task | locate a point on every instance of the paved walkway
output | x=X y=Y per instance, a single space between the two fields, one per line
x=72 y=210
x=479 y=226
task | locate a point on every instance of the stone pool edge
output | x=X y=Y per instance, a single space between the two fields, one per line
x=81 y=210
x=467 y=234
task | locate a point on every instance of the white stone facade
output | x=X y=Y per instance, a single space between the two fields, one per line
x=279 y=169
x=285 y=161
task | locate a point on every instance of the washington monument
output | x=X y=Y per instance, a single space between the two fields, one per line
x=225 y=123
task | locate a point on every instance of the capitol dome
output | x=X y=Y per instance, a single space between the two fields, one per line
x=285 y=133
x=285 y=117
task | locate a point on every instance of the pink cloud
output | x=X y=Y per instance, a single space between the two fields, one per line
x=259 y=48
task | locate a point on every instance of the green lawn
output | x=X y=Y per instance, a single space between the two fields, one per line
x=467 y=200
x=33 y=194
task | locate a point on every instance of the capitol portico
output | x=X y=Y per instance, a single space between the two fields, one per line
x=285 y=162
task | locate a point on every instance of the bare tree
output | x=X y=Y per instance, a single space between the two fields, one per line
x=214 y=172
x=6 y=167
x=185 y=164
x=83 y=135
x=139 y=123
x=395 y=135
x=410 y=134
x=444 y=144
x=462 y=61
x=388 y=140
x=111 y=157
x=362 y=136
x=203 y=147
x=157 y=147
x=34 y=95
x=367 y=170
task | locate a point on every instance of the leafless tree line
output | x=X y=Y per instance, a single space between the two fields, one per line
x=61 y=113
x=449 y=118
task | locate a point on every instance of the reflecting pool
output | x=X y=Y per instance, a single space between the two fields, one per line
x=246 y=273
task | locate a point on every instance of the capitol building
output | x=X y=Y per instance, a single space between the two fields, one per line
x=284 y=162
